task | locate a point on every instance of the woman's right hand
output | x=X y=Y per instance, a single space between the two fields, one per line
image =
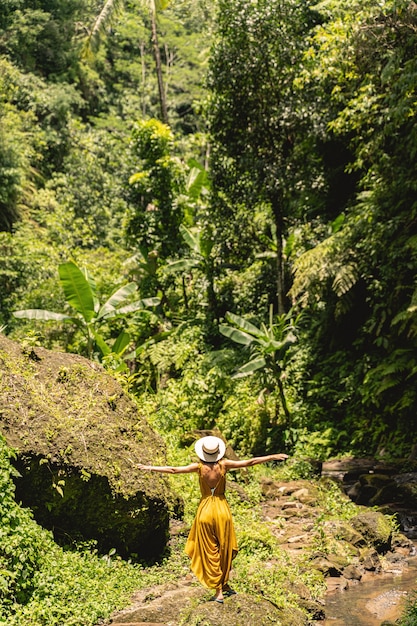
x=279 y=457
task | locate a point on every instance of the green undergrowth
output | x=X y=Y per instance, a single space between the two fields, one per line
x=409 y=617
x=42 y=584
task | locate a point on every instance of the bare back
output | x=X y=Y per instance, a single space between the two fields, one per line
x=212 y=473
x=212 y=478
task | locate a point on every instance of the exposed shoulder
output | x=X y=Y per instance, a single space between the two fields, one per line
x=223 y=466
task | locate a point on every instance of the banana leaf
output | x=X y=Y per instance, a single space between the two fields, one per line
x=77 y=290
x=244 y=325
x=250 y=367
x=108 y=309
x=236 y=335
x=42 y=314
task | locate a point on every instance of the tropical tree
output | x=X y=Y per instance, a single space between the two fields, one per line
x=200 y=259
x=107 y=14
x=357 y=281
x=156 y=214
x=269 y=350
x=254 y=115
x=198 y=238
x=89 y=315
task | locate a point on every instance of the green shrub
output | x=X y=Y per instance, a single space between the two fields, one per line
x=409 y=617
x=43 y=585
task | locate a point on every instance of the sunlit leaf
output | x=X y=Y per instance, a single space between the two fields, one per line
x=181 y=265
x=235 y=335
x=243 y=324
x=41 y=314
x=191 y=239
x=115 y=299
x=77 y=289
x=250 y=367
x=121 y=343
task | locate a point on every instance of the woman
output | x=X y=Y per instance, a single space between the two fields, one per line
x=211 y=544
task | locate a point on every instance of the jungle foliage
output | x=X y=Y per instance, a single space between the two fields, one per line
x=283 y=179
x=271 y=198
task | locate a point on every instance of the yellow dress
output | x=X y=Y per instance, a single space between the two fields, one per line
x=211 y=544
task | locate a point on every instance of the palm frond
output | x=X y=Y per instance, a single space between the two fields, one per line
x=109 y=11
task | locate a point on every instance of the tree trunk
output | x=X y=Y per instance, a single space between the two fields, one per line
x=279 y=261
x=211 y=294
x=143 y=63
x=162 y=98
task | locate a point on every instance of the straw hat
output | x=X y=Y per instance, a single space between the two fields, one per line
x=210 y=449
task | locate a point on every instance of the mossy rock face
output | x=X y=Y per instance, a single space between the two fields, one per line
x=78 y=435
x=375 y=528
x=376 y=480
x=343 y=531
x=386 y=494
x=189 y=605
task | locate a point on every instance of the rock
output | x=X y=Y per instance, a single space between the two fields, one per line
x=354 y=491
x=401 y=541
x=375 y=528
x=336 y=584
x=351 y=572
x=304 y=496
x=173 y=604
x=388 y=493
x=407 y=488
x=345 y=532
x=242 y=609
x=347 y=469
x=375 y=480
x=373 y=490
x=297 y=539
x=370 y=560
x=366 y=493
x=305 y=600
x=273 y=489
x=78 y=436
x=291 y=505
x=329 y=566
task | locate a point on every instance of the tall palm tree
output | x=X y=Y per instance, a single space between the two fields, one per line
x=109 y=10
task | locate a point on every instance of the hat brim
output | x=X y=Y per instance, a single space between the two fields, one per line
x=210 y=458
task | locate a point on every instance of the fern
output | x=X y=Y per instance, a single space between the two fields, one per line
x=407 y=318
x=324 y=264
x=400 y=366
x=346 y=277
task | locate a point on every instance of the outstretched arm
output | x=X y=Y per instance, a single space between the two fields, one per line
x=256 y=460
x=169 y=469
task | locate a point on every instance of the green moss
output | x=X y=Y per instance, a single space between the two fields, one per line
x=78 y=436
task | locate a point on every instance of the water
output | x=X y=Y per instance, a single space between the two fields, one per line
x=369 y=603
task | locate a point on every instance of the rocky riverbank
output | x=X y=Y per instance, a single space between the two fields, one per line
x=344 y=552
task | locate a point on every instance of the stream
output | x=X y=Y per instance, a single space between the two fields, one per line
x=377 y=597
x=370 y=602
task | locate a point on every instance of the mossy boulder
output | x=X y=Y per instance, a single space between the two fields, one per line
x=375 y=528
x=78 y=435
x=186 y=604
